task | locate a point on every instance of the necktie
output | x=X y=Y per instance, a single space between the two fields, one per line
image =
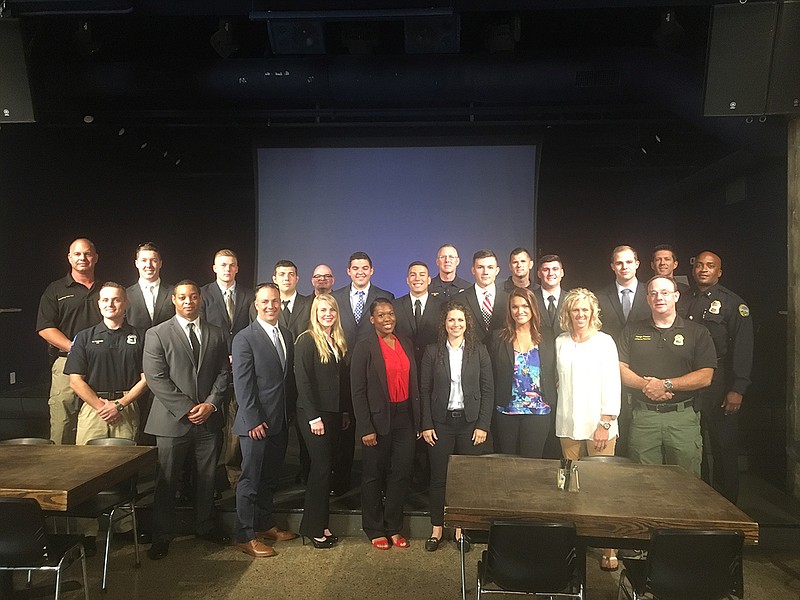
x=229 y=306
x=194 y=343
x=151 y=307
x=276 y=340
x=417 y=311
x=626 y=302
x=551 y=309
x=285 y=312
x=359 y=309
x=486 y=309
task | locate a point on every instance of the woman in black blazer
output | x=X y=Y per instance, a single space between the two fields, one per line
x=456 y=392
x=524 y=380
x=385 y=394
x=322 y=409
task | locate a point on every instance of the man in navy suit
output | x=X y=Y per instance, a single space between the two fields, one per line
x=354 y=301
x=226 y=304
x=263 y=363
x=186 y=366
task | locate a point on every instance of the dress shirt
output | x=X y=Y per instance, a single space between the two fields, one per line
x=556 y=293
x=423 y=300
x=290 y=305
x=224 y=291
x=150 y=296
x=354 y=299
x=631 y=288
x=481 y=292
x=269 y=329
x=456 y=400
x=184 y=327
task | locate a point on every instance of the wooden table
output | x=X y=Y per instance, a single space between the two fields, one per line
x=61 y=477
x=617 y=506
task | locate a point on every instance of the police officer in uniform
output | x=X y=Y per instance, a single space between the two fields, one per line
x=727 y=318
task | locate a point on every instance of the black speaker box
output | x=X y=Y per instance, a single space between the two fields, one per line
x=739 y=58
x=783 y=96
x=16 y=105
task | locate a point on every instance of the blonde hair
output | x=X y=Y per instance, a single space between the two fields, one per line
x=317 y=333
x=570 y=300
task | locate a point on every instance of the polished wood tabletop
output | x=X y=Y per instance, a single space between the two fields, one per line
x=61 y=477
x=620 y=501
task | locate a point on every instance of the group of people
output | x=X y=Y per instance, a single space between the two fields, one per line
x=456 y=367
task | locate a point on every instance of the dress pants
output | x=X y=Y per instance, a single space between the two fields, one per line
x=343 y=459
x=261 y=467
x=387 y=473
x=172 y=454
x=523 y=435
x=454 y=437
x=723 y=434
x=321 y=449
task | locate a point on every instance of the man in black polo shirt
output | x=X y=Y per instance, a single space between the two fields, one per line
x=105 y=371
x=67 y=306
x=447 y=283
x=664 y=361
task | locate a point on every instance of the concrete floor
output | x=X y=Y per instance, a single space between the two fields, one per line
x=196 y=569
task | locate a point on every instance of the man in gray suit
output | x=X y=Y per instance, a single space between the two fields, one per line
x=186 y=366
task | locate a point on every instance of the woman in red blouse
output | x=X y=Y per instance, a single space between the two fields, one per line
x=386 y=406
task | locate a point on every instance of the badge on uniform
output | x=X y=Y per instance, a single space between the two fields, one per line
x=678 y=339
x=131 y=339
x=715 y=306
x=744 y=310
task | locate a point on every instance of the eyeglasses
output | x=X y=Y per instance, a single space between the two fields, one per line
x=318 y=277
x=662 y=293
x=447 y=257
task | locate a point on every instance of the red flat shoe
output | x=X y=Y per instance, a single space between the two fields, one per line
x=399 y=541
x=381 y=543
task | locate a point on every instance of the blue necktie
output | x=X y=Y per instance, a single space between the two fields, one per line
x=359 y=306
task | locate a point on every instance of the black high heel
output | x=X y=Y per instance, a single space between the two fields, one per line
x=326 y=543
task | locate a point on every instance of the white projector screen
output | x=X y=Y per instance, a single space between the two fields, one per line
x=397 y=204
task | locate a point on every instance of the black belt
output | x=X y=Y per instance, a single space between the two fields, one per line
x=666 y=407
x=110 y=395
x=455 y=414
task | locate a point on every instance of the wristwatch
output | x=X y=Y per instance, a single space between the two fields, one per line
x=605 y=425
x=119 y=405
x=667 y=385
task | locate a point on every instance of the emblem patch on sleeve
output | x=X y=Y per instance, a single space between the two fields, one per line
x=744 y=310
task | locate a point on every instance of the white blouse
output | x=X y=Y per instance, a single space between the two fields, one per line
x=589 y=385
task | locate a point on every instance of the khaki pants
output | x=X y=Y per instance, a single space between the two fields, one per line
x=576 y=449
x=64 y=405
x=91 y=426
x=671 y=438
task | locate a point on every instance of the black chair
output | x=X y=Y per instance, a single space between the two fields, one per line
x=539 y=559
x=25 y=544
x=113 y=504
x=687 y=565
x=28 y=442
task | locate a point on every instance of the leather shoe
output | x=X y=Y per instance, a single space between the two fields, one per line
x=158 y=550
x=256 y=549
x=276 y=535
x=215 y=536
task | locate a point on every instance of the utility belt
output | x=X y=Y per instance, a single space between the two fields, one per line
x=111 y=395
x=666 y=407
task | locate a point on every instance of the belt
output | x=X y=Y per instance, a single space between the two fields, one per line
x=455 y=414
x=110 y=395
x=666 y=407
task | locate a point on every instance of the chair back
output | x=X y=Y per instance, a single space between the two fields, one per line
x=23 y=535
x=111 y=442
x=127 y=487
x=28 y=442
x=695 y=565
x=528 y=557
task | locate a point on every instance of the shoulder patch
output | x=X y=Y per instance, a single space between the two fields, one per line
x=744 y=310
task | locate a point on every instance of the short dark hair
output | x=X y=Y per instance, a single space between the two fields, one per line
x=147 y=247
x=267 y=284
x=183 y=282
x=378 y=301
x=116 y=286
x=661 y=247
x=359 y=256
x=418 y=263
x=519 y=250
x=284 y=263
x=667 y=277
x=484 y=254
x=549 y=258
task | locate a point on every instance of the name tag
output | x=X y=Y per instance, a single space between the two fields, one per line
x=642 y=338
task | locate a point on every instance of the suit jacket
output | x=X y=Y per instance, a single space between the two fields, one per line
x=320 y=386
x=137 y=314
x=428 y=330
x=613 y=321
x=300 y=316
x=550 y=331
x=476 y=382
x=499 y=310
x=502 y=355
x=369 y=387
x=355 y=333
x=264 y=390
x=178 y=383
x=214 y=311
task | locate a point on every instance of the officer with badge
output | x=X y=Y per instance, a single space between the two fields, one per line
x=105 y=371
x=727 y=318
x=664 y=361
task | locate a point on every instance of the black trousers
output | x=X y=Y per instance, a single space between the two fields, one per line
x=387 y=473
x=172 y=454
x=454 y=437
x=261 y=466
x=321 y=449
x=523 y=435
x=723 y=433
x=343 y=459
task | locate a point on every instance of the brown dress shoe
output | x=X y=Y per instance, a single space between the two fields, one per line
x=256 y=549
x=277 y=535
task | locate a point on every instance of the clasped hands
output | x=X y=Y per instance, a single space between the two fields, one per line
x=655 y=391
